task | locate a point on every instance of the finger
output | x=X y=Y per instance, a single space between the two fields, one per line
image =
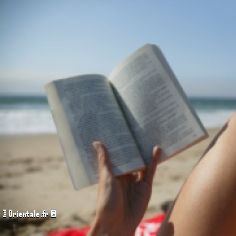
x=151 y=168
x=104 y=164
x=135 y=176
x=138 y=176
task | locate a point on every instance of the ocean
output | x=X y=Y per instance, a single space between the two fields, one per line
x=31 y=114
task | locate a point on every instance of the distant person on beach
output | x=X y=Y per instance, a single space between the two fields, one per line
x=205 y=205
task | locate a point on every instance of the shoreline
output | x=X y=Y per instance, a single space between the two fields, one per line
x=34 y=176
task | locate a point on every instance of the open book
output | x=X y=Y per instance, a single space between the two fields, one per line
x=139 y=105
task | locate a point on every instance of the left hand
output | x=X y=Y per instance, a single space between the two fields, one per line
x=121 y=201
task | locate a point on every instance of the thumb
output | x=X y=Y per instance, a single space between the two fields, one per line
x=103 y=158
x=151 y=168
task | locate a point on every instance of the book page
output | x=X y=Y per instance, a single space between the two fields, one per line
x=155 y=106
x=75 y=165
x=93 y=114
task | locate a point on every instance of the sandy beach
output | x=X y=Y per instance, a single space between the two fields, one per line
x=33 y=176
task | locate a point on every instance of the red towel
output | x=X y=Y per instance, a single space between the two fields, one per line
x=147 y=227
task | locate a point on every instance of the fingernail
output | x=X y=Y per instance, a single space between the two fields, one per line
x=96 y=145
x=156 y=151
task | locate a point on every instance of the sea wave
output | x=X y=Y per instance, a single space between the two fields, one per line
x=33 y=121
x=214 y=118
x=26 y=121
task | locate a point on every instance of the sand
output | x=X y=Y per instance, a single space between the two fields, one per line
x=33 y=176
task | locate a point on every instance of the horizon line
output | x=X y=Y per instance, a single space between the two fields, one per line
x=5 y=95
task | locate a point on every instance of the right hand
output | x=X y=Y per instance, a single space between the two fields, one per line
x=121 y=201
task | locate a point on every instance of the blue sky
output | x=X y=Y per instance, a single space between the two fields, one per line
x=51 y=39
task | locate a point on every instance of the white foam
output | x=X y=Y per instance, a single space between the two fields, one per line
x=30 y=121
x=214 y=118
x=25 y=121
